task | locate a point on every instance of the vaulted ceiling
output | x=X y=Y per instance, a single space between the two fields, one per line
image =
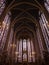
x=25 y=15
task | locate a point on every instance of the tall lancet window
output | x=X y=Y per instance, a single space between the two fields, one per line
x=24 y=44
x=29 y=50
x=25 y=51
x=2 y=6
x=5 y=29
x=46 y=3
x=20 y=51
x=45 y=28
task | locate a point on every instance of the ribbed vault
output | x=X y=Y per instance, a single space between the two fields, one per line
x=25 y=5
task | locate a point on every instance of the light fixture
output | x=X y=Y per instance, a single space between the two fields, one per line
x=33 y=53
x=17 y=53
x=13 y=45
x=3 y=24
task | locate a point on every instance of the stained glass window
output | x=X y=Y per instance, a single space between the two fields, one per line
x=2 y=6
x=20 y=50
x=4 y=29
x=23 y=48
x=45 y=29
x=46 y=3
x=24 y=45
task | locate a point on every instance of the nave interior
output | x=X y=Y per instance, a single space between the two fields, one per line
x=24 y=32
